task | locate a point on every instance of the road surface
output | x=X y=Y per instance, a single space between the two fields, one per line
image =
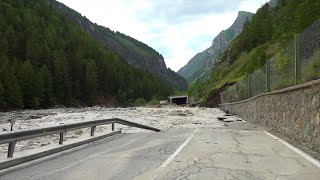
x=186 y=153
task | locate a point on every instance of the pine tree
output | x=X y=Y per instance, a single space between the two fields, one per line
x=12 y=92
x=46 y=94
x=31 y=51
x=2 y=103
x=103 y=78
x=37 y=90
x=3 y=23
x=91 y=82
x=27 y=81
x=10 y=35
x=77 y=72
x=3 y=45
x=62 y=85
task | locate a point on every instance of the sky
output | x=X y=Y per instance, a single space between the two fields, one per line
x=178 y=29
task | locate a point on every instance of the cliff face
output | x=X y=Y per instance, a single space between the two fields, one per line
x=201 y=65
x=131 y=50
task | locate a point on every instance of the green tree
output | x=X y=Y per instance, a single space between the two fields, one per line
x=62 y=85
x=2 y=103
x=91 y=82
x=46 y=94
x=27 y=80
x=38 y=89
x=140 y=102
x=3 y=45
x=12 y=92
x=153 y=102
x=11 y=37
x=32 y=52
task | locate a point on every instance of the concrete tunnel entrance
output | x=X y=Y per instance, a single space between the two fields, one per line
x=179 y=100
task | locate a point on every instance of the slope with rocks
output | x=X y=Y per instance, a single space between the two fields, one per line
x=200 y=66
x=133 y=51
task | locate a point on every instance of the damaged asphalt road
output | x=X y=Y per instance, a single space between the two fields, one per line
x=229 y=154
x=182 y=153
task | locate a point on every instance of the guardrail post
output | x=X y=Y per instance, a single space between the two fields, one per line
x=297 y=58
x=237 y=92
x=112 y=126
x=93 y=128
x=61 y=138
x=11 y=149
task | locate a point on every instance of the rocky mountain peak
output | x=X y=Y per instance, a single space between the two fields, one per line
x=273 y=3
x=222 y=41
x=201 y=65
x=238 y=24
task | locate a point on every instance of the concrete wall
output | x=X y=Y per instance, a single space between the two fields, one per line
x=294 y=112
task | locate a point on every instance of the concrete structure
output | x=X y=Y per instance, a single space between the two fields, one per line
x=294 y=111
x=179 y=99
x=164 y=102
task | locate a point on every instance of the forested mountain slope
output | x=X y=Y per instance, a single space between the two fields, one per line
x=47 y=59
x=201 y=65
x=270 y=30
x=133 y=51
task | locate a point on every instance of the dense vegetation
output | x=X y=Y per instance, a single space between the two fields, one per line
x=46 y=60
x=269 y=31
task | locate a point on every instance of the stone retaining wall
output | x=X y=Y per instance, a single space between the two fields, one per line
x=294 y=112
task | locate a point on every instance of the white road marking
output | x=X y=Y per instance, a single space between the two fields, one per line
x=178 y=150
x=241 y=131
x=174 y=155
x=300 y=152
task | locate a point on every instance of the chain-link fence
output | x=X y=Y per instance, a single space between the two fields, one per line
x=299 y=62
x=281 y=68
x=257 y=82
x=230 y=94
x=310 y=52
x=237 y=92
x=243 y=89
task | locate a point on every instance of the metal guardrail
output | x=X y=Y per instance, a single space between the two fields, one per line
x=13 y=137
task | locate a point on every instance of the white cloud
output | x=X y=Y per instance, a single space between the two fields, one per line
x=177 y=29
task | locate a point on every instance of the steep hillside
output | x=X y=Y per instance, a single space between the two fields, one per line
x=133 y=51
x=200 y=66
x=270 y=30
x=46 y=60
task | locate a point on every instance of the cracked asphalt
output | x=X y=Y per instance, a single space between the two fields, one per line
x=237 y=154
x=210 y=154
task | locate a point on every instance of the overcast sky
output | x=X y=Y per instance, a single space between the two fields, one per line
x=178 y=29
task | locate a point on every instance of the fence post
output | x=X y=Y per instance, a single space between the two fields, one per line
x=237 y=92
x=297 y=58
x=267 y=76
x=249 y=91
x=222 y=98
